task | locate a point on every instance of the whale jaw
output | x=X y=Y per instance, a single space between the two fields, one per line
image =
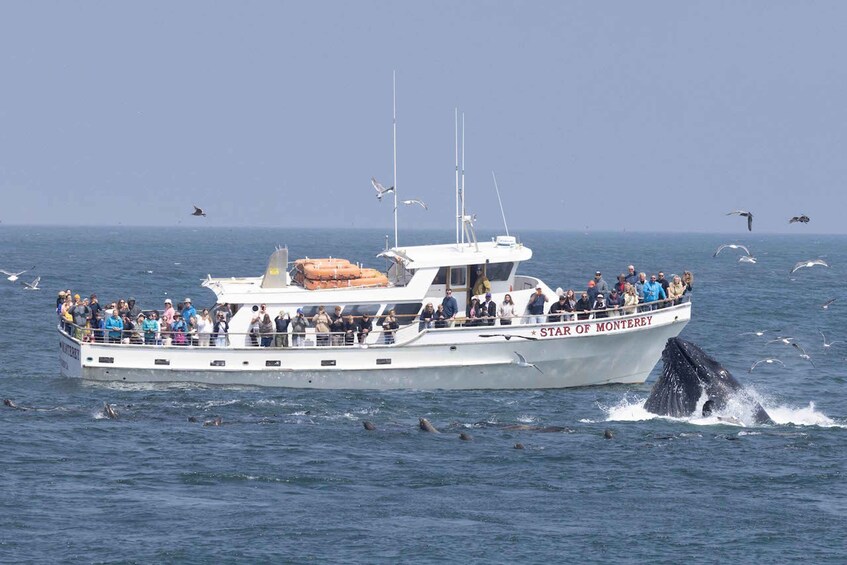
x=689 y=373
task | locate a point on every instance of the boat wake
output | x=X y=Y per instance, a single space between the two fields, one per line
x=631 y=409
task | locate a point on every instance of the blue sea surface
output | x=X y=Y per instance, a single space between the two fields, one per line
x=292 y=475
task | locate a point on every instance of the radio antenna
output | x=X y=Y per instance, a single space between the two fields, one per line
x=394 y=140
x=500 y=201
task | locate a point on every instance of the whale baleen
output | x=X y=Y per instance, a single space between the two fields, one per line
x=690 y=373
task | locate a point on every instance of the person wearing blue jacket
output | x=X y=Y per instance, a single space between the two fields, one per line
x=114 y=325
x=451 y=306
x=653 y=292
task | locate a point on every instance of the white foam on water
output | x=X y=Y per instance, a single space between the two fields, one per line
x=737 y=412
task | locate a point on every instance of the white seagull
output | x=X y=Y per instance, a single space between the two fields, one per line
x=749 y=216
x=380 y=190
x=416 y=201
x=759 y=333
x=828 y=344
x=32 y=285
x=781 y=339
x=768 y=361
x=809 y=263
x=522 y=362
x=746 y=259
x=731 y=246
x=803 y=354
x=14 y=276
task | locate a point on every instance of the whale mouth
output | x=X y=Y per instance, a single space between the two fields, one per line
x=688 y=374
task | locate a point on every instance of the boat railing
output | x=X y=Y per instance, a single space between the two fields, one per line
x=377 y=336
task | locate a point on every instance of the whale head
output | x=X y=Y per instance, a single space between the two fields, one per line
x=689 y=373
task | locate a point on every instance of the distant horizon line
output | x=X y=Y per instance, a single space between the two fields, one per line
x=412 y=229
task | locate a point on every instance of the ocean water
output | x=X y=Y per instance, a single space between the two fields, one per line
x=292 y=475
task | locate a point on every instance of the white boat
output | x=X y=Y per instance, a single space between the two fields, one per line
x=543 y=354
x=595 y=351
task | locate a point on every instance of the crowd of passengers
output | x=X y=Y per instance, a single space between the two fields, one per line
x=123 y=321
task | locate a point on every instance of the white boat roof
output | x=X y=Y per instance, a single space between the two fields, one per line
x=450 y=254
x=241 y=290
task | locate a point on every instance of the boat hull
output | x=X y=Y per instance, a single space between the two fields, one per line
x=557 y=355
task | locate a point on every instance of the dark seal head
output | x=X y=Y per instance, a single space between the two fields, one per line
x=109 y=412
x=465 y=437
x=608 y=434
x=369 y=425
x=688 y=374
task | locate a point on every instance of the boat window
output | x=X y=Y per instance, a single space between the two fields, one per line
x=310 y=311
x=499 y=271
x=441 y=277
x=457 y=276
x=405 y=312
x=358 y=309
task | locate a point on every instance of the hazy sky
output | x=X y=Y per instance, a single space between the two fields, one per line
x=642 y=116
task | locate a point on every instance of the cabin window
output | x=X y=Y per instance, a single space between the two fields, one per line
x=458 y=277
x=499 y=271
x=441 y=276
x=310 y=311
x=405 y=312
x=358 y=309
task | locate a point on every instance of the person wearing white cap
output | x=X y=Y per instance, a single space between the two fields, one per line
x=167 y=315
x=188 y=312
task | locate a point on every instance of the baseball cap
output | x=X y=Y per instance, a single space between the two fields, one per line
x=592 y=283
x=168 y=301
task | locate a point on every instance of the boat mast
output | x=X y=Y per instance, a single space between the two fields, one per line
x=464 y=229
x=394 y=141
x=458 y=215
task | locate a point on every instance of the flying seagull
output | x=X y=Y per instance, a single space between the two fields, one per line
x=828 y=344
x=522 y=362
x=759 y=333
x=380 y=190
x=746 y=259
x=768 y=361
x=198 y=212
x=809 y=263
x=14 y=276
x=32 y=285
x=416 y=201
x=743 y=213
x=803 y=354
x=828 y=303
x=508 y=337
x=731 y=246
x=781 y=339
x=803 y=218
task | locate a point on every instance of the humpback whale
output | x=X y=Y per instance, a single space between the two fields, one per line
x=690 y=373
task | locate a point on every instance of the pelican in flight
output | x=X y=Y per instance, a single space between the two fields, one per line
x=803 y=219
x=768 y=361
x=420 y=203
x=731 y=246
x=809 y=263
x=381 y=190
x=14 y=276
x=32 y=285
x=743 y=213
x=198 y=212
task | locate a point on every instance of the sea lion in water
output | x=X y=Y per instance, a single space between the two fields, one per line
x=608 y=434
x=427 y=427
x=688 y=374
x=214 y=422
x=8 y=402
x=192 y=419
x=109 y=412
x=518 y=446
x=369 y=425
x=465 y=437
